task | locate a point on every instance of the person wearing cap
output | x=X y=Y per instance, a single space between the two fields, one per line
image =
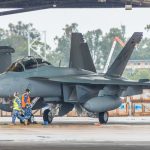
x=25 y=99
x=16 y=109
x=26 y=104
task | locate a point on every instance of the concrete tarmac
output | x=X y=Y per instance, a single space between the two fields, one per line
x=77 y=146
x=76 y=133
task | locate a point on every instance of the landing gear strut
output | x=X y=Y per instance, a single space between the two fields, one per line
x=48 y=116
x=103 y=117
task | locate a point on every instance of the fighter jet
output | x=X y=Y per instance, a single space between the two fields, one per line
x=78 y=84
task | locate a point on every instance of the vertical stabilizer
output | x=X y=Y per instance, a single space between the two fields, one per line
x=80 y=56
x=119 y=64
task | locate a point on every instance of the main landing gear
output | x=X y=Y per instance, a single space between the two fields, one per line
x=103 y=117
x=47 y=116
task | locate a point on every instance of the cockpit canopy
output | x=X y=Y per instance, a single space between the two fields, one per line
x=27 y=63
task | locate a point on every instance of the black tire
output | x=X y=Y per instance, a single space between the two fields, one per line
x=47 y=116
x=21 y=120
x=103 y=117
x=31 y=119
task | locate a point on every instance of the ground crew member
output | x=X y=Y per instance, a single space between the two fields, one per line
x=16 y=109
x=28 y=111
x=25 y=99
x=26 y=104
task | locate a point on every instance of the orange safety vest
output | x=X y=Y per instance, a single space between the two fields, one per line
x=25 y=100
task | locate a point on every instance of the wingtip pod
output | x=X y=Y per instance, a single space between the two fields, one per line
x=118 y=66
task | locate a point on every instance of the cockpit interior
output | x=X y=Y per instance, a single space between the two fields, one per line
x=27 y=63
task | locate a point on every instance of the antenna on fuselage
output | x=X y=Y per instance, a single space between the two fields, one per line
x=59 y=63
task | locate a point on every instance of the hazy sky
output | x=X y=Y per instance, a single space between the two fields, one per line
x=53 y=20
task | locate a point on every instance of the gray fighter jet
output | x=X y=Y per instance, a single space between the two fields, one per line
x=79 y=84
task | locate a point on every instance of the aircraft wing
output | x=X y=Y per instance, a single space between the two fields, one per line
x=92 y=79
x=96 y=80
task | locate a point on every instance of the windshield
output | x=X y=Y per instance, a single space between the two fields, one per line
x=16 y=67
x=27 y=63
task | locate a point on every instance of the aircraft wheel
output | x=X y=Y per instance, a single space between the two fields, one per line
x=21 y=120
x=31 y=119
x=103 y=117
x=47 y=116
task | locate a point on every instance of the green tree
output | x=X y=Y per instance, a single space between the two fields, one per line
x=147 y=27
x=16 y=36
x=137 y=74
x=2 y=34
x=21 y=29
x=141 y=51
x=94 y=40
x=107 y=42
x=98 y=43
x=63 y=44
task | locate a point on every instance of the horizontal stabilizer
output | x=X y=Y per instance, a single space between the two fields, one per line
x=118 y=66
